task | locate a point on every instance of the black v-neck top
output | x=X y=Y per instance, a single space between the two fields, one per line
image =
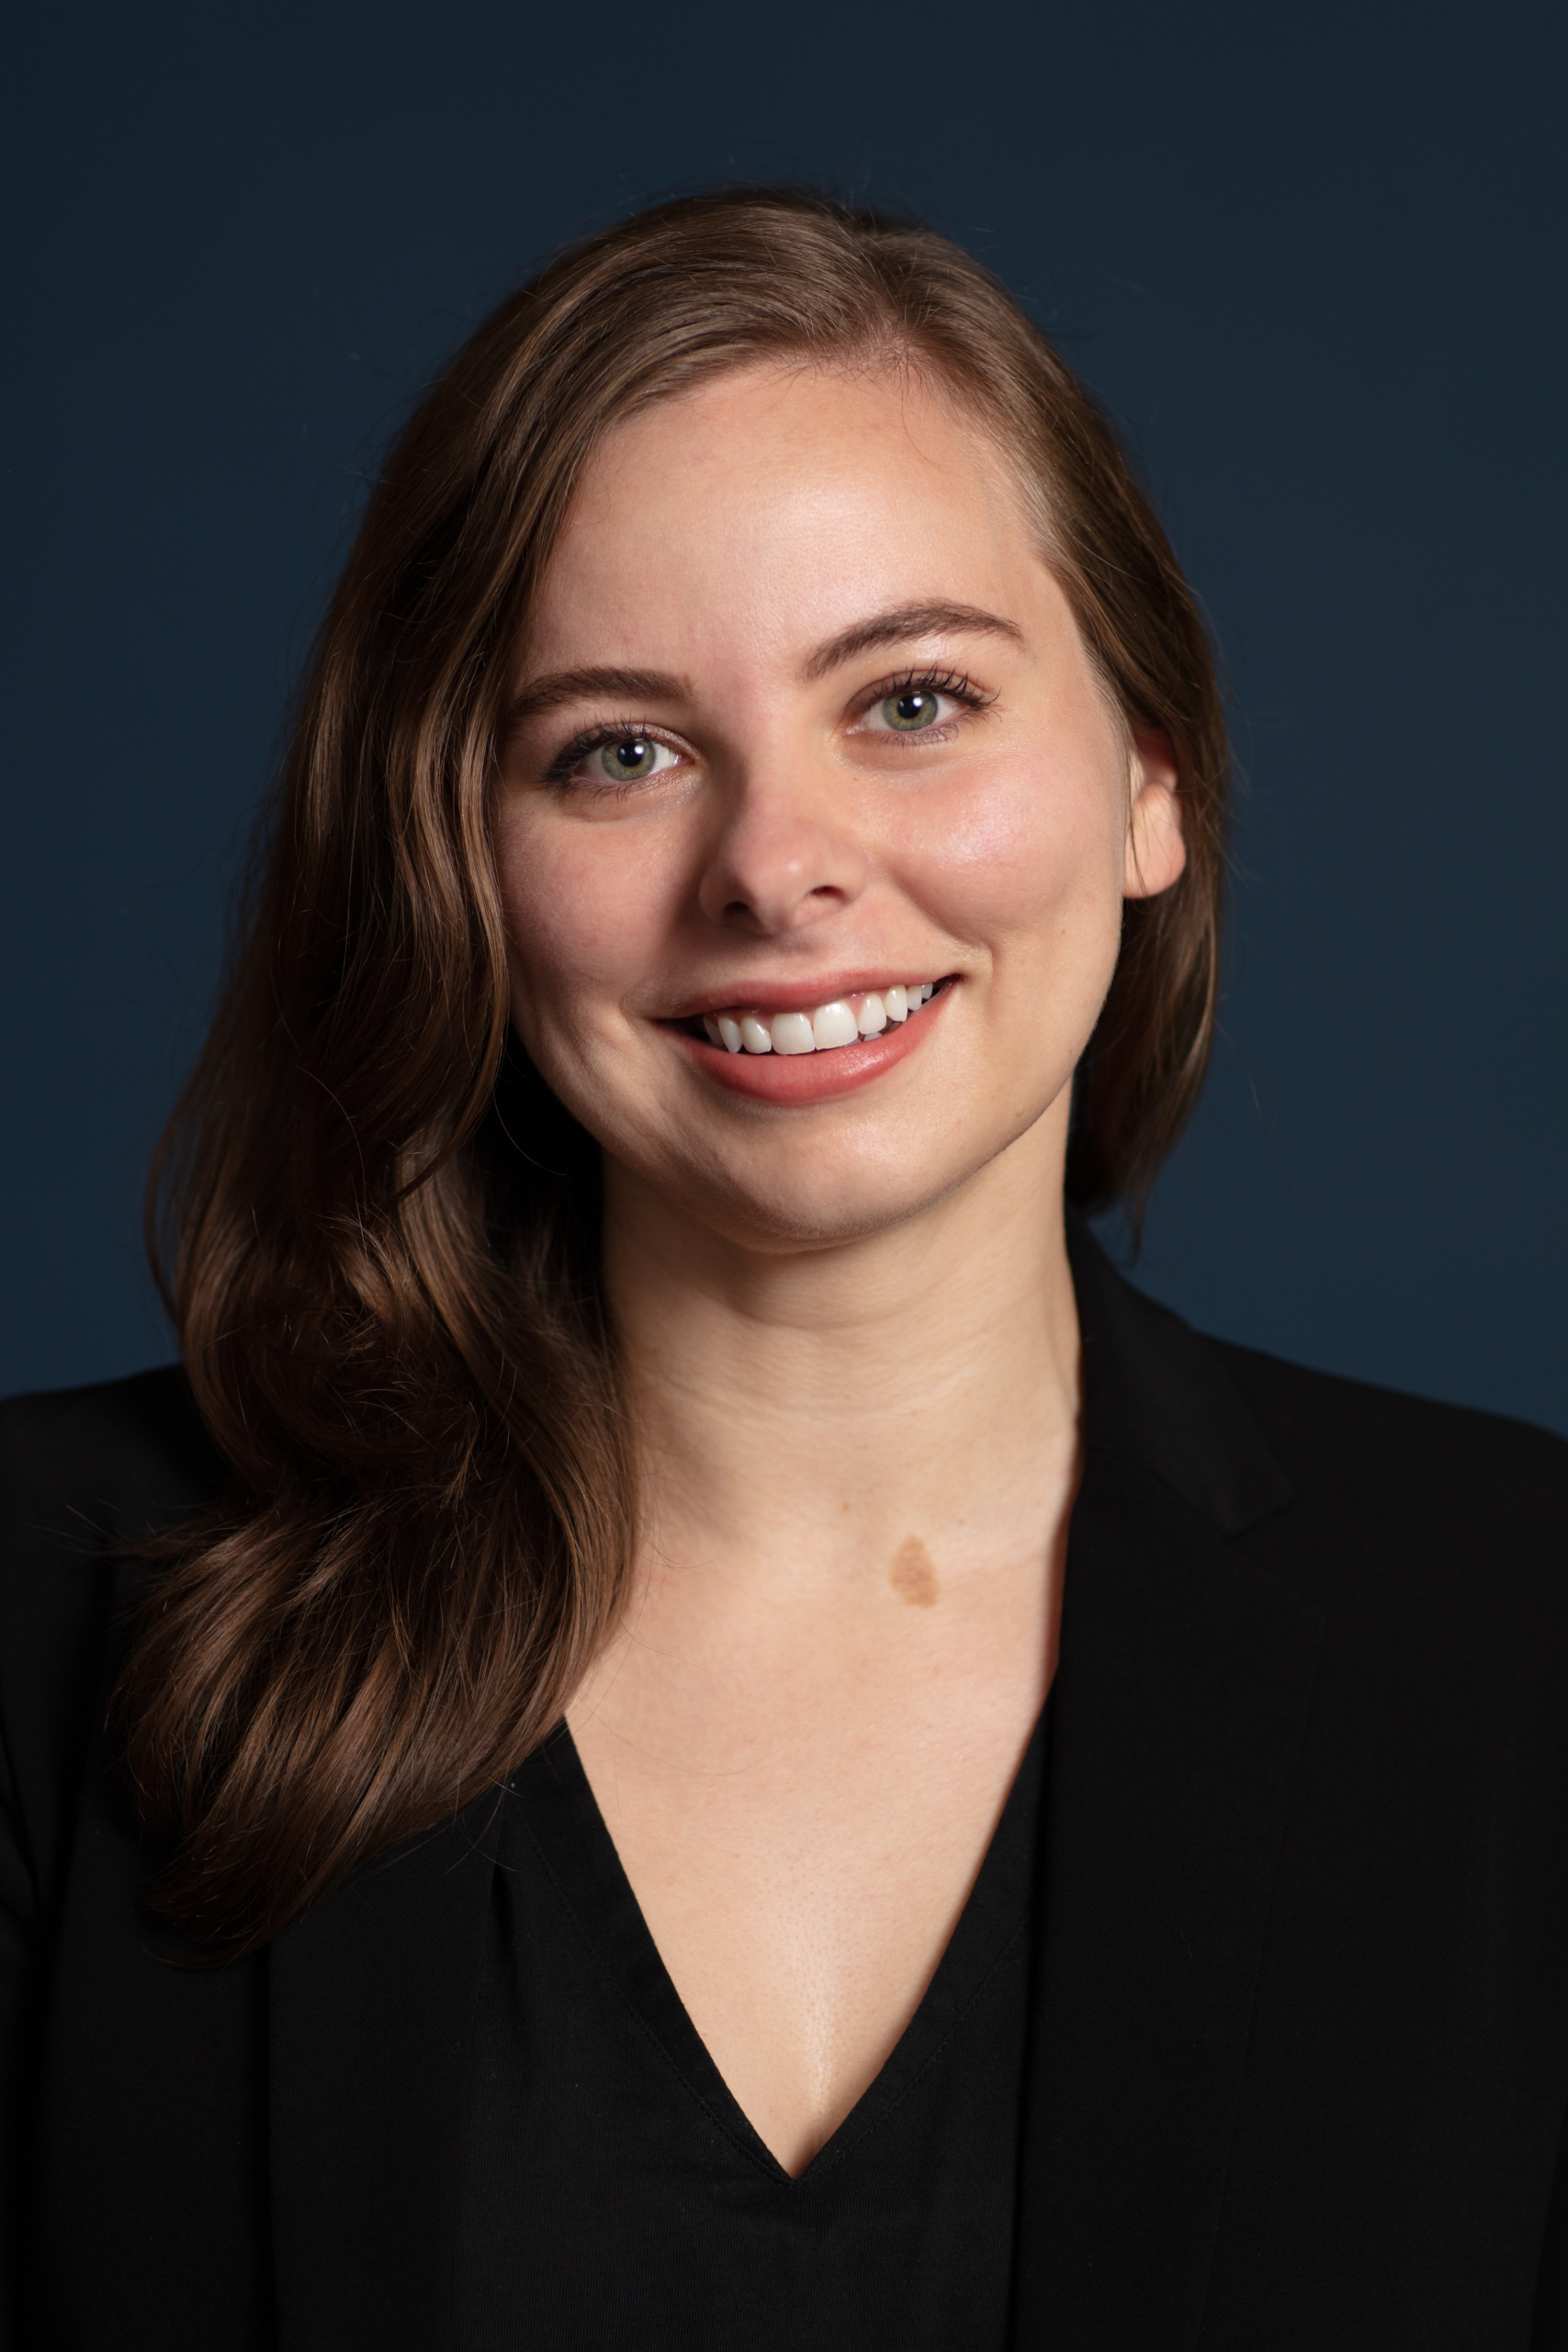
x=614 y=2197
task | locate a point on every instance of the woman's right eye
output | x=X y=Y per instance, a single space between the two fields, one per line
x=625 y=759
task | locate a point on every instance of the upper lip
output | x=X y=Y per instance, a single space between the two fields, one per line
x=801 y=996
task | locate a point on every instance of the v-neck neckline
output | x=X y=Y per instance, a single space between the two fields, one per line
x=557 y=1806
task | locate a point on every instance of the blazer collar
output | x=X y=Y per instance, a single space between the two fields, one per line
x=1180 y=1709
x=1156 y=1394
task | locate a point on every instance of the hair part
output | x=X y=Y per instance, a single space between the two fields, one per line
x=375 y=1230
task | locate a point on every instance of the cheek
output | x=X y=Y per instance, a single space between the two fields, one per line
x=1028 y=852
x=586 y=909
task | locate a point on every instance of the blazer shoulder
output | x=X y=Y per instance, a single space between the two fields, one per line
x=82 y=1466
x=1452 y=1470
x=85 y=1476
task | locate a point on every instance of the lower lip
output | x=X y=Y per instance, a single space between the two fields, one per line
x=795 y=1079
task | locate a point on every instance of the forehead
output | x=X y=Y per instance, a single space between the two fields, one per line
x=773 y=506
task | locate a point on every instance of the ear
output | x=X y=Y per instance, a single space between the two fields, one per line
x=1155 y=852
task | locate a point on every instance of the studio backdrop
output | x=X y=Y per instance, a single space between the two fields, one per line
x=1310 y=261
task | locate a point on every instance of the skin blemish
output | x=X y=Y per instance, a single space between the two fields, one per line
x=912 y=1577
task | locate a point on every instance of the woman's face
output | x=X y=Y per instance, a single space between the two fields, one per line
x=803 y=723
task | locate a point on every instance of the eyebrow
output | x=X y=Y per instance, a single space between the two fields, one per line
x=898 y=625
x=904 y=622
x=588 y=685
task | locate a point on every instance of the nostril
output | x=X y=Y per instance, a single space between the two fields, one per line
x=784 y=905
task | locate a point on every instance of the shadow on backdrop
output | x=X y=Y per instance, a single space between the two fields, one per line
x=1310 y=260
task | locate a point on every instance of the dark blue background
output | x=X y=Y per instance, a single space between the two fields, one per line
x=1311 y=258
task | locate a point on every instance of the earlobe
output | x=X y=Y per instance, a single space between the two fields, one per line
x=1156 y=851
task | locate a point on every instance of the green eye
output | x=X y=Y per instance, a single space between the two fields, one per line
x=915 y=708
x=625 y=761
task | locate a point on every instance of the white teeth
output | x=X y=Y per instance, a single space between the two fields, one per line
x=792 y=1032
x=842 y=1021
x=832 y=1024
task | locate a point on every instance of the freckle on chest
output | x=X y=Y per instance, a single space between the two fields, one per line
x=912 y=1577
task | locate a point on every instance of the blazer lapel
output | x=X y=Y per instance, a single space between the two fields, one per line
x=372 y=1996
x=1180 y=1707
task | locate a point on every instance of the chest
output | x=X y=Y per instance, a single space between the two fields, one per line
x=598 y=2127
x=801 y=1808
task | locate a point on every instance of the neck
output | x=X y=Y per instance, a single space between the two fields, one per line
x=820 y=1410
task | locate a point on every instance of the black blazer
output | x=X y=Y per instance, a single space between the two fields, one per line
x=1300 y=2061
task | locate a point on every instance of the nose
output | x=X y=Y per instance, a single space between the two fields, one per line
x=786 y=857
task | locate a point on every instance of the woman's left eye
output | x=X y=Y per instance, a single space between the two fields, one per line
x=911 y=711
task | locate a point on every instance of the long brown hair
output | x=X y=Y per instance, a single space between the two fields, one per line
x=377 y=1231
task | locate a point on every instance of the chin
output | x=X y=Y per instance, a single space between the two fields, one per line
x=812 y=1206
x=831 y=1178
x=816 y=1221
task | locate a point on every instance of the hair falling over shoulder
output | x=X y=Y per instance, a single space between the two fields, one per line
x=375 y=1230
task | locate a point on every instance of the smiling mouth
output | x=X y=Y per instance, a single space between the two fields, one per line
x=823 y=1028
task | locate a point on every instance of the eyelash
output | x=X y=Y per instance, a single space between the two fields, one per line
x=594 y=738
x=954 y=683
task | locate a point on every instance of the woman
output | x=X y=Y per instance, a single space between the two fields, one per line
x=586 y=1850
